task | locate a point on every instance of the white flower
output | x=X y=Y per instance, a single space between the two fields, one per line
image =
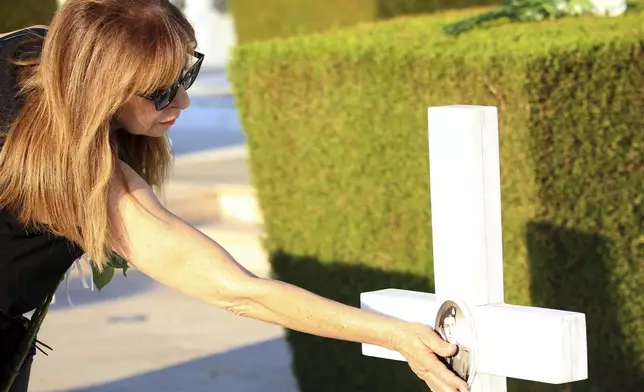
x=561 y=5
x=608 y=7
x=577 y=9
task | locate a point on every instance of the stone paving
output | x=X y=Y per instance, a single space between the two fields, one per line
x=137 y=335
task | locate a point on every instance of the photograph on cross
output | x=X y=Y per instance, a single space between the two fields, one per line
x=455 y=325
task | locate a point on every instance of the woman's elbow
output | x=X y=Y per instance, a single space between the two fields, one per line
x=201 y=276
x=237 y=296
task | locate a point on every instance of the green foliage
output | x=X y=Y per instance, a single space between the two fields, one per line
x=260 y=20
x=337 y=130
x=523 y=11
x=18 y=14
x=103 y=276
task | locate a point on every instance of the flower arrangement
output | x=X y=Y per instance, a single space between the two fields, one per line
x=537 y=10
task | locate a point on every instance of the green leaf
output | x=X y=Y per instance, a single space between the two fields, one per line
x=116 y=261
x=102 y=278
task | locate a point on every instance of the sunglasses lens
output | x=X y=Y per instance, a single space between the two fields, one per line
x=164 y=97
x=190 y=77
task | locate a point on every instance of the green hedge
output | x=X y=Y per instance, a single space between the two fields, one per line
x=259 y=20
x=337 y=130
x=15 y=15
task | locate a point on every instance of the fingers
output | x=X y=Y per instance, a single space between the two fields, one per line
x=446 y=376
x=422 y=357
x=438 y=377
x=436 y=384
x=432 y=340
x=444 y=349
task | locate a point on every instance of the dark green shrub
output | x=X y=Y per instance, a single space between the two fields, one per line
x=16 y=14
x=337 y=130
x=259 y=20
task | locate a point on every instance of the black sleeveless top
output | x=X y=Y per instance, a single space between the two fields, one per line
x=32 y=263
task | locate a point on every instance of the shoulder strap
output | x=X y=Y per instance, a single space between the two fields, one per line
x=29 y=31
x=30 y=337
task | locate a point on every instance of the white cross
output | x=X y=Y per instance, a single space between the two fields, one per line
x=529 y=343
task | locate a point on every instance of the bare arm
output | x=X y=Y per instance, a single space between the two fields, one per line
x=174 y=253
x=179 y=256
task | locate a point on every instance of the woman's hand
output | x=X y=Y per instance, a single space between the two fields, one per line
x=420 y=345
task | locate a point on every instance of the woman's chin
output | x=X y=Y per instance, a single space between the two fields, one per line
x=158 y=130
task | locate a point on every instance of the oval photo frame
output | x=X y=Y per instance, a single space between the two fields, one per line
x=455 y=324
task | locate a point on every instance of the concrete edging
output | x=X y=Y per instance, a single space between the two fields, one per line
x=214 y=155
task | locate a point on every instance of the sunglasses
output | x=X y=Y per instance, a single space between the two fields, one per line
x=163 y=97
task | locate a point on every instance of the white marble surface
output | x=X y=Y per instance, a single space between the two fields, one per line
x=542 y=345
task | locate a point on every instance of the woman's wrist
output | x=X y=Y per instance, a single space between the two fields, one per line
x=309 y=313
x=390 y=333
x=402 y=330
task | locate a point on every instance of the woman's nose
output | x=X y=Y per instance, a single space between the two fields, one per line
x=181 y=99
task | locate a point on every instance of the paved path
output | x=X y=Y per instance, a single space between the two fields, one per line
x=225 y=166
x=136 y=335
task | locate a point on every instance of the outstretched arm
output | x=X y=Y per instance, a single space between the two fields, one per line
x=174 y=253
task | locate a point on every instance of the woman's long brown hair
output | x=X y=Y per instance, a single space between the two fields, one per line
x=61 y=152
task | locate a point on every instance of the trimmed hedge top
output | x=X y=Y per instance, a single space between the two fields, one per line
x=422 y=36
x=260 y=20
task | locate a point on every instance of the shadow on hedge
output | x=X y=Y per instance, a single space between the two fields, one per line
x=569 y=272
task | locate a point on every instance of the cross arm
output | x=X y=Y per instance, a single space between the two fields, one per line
x=529 y=343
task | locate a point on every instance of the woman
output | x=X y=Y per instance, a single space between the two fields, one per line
x=86 y=147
